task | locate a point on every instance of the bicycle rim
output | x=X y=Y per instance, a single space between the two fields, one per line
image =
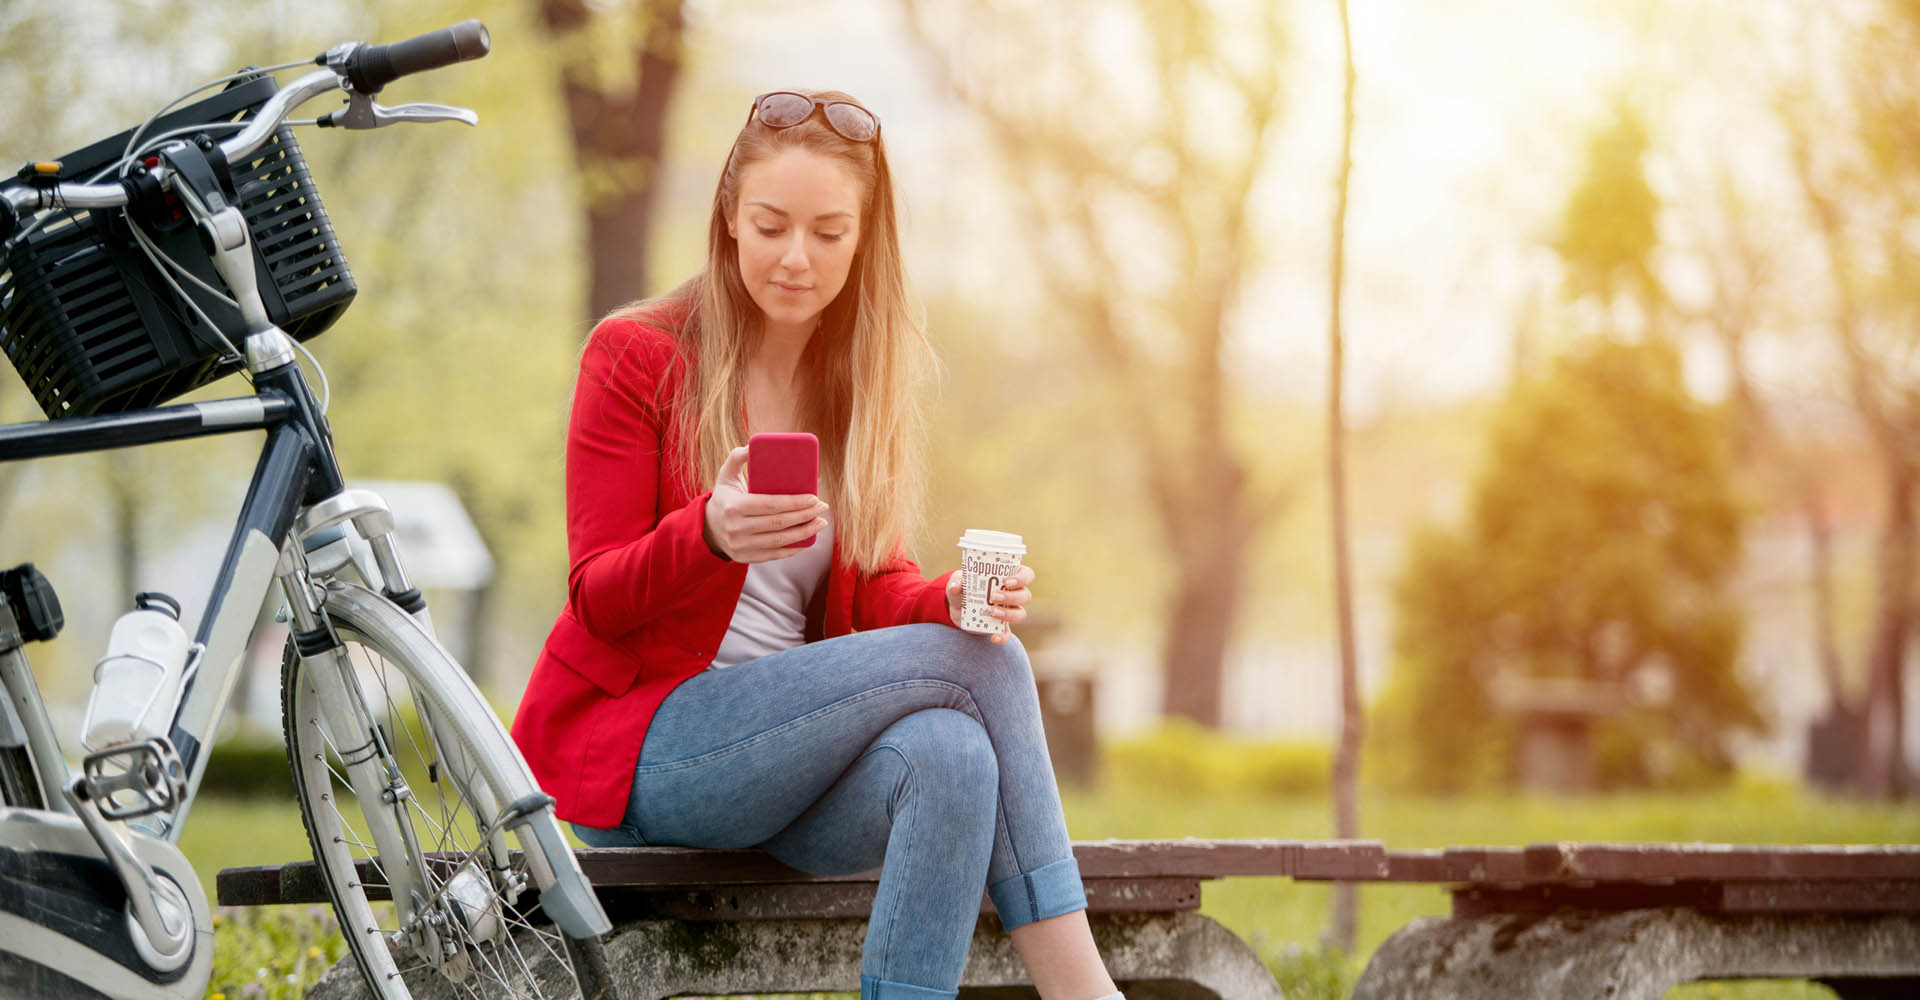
x=508 y=951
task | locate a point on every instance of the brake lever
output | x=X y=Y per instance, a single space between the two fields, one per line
x=362 y=112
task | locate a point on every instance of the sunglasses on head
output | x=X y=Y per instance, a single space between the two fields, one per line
x=785 y=109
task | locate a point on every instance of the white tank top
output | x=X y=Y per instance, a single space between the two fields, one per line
x=772 y=612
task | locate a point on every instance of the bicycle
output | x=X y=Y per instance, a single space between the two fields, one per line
x=407 y=783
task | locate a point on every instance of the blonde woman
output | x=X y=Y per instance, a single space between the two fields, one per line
x=707 y=685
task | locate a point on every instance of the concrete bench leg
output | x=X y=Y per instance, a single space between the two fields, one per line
x=1633 y=955
x=1182 y=956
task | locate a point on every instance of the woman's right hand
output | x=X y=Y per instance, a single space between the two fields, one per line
x=757 y=527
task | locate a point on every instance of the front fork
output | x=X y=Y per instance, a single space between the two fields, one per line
x=318 y=547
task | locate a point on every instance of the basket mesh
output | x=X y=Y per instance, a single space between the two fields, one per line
x=92 y=327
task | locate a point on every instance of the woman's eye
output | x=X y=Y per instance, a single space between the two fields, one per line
x=833 y=237
x=764 y=231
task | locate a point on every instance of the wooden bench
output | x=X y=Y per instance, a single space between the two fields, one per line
x=1555 y=920
x=719 y=922
x=1629 y=921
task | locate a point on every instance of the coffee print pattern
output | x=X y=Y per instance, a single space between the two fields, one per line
x=981 y=576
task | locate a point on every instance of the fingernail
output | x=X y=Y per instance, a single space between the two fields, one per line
x=1010 y=582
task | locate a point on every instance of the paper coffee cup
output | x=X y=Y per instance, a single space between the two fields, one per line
x=987 y=560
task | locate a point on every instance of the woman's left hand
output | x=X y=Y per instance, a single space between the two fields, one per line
x=1010 y=600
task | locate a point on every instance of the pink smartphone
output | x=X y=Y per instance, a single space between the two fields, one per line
x=784 y=464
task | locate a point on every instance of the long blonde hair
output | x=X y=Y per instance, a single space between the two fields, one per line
x=864 y=365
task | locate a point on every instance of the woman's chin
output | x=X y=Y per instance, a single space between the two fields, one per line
x=789 y=318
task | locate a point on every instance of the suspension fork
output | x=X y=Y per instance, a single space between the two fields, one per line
x=373 y=520
x=350 y=727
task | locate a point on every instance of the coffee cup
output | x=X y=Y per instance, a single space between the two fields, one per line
x=987 y=560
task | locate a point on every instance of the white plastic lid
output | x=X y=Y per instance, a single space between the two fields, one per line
x=997 y=541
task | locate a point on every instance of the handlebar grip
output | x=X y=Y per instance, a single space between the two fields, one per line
x=372 y=67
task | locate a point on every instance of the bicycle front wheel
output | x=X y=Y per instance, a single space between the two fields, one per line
x=464 y=934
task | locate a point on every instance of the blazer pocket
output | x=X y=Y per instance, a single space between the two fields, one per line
x=606 y=665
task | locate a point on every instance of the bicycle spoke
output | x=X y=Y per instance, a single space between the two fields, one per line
x=456 y=884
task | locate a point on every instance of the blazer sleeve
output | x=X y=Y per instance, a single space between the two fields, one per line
x=896 y=594
x=630 y=561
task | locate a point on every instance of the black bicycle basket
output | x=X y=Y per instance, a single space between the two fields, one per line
x=92 y=326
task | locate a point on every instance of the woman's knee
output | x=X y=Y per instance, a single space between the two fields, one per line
x=946 y=752
x=976 y=660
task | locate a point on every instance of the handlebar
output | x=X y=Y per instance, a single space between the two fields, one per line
x=371 y=67
x=354 y=66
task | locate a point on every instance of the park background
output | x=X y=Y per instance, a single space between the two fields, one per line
x=1629 y=394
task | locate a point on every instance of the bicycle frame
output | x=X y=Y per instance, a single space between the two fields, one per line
x=296 y=470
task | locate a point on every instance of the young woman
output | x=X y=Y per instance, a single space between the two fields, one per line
x=706 y=685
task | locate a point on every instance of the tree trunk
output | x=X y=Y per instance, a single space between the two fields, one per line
x=1820 y=533
x=1209 y=574
x=1346 y=761
x=1883 y=735
x=618 y=139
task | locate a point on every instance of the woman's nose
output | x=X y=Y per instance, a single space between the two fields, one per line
x=794 y=257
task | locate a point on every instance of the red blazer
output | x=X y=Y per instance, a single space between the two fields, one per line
x=647 y=601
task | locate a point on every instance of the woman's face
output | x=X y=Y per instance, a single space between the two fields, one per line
x=796 y=226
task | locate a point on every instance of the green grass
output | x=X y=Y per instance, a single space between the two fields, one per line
x=257 y=952
x=260 y=951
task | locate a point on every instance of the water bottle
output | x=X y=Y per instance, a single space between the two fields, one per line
x=136 y=686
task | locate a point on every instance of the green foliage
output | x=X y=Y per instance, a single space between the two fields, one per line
x=1317 y=972
x=1182 y=758
x=1609 y=228
x=272 y=952
x=456 y=360
x=1598 y=547
x=249 y=767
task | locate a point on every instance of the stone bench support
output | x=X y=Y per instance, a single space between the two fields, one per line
x=1640 y=954
x=1168 y=956
x=1181 y=956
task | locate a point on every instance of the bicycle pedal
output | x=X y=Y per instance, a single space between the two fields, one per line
x=149 y=769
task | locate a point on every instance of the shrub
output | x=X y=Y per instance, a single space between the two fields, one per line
x=1182 y=758
x=248 y=767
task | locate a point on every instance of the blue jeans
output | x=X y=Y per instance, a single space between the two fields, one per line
x=917 y=749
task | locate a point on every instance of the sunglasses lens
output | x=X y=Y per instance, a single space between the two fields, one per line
x=852 y=121
x=783 y=110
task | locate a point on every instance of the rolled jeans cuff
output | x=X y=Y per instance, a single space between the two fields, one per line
x=884 y=989
x=1047 y=891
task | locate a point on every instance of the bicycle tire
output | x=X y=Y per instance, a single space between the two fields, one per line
x=533 y=960
x=19 y=783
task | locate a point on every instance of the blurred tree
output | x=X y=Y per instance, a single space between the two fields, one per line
x=618 y=66
x=1856 y=152
x=1600 y=539
x=455 y=363
x=1737 y=242
x=1346 y=762
x=1609 y=229
x=1135 y=161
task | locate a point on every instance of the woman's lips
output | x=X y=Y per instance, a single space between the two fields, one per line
x=792 y=289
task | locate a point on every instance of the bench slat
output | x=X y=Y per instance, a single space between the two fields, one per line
x=678 y=868
x=1745 y=896
x=1561 y=863
x=824 y=900
x=1720 y=861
